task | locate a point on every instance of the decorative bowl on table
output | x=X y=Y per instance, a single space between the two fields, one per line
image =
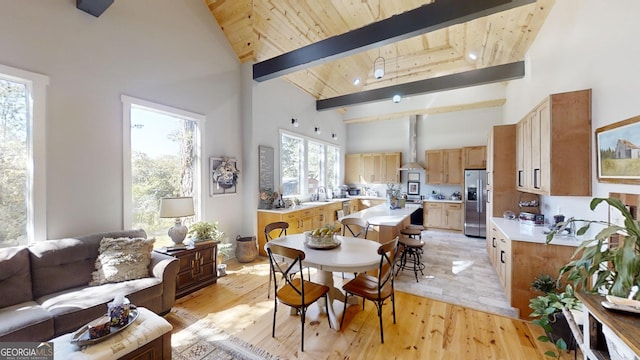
x=321 y=239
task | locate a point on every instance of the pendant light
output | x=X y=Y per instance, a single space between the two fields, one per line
x=378 y=67
x=378 y=63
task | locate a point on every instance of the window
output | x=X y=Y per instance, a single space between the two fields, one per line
x=307 y=163
x=162 y=161
x=22 y=156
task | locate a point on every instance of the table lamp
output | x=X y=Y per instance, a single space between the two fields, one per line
x=176 y=208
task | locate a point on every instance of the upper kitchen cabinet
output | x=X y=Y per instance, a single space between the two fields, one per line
x=475 y=157
x=392 y=163
x=444 y=166
x=353 y=169
x=553 y=146
x=372 y=168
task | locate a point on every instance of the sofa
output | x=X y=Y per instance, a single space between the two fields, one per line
x=46 y=293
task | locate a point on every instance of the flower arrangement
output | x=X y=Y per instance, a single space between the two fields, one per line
x=267 y=196
x=393 y=190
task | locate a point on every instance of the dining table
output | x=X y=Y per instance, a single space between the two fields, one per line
x=353 y=255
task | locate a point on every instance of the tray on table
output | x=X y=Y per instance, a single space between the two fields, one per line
x=81 y=336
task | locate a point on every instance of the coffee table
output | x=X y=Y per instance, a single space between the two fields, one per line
x=149 y=337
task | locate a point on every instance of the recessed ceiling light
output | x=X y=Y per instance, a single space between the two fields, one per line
x=356 y=81
x=397 y=98
x=473 y=56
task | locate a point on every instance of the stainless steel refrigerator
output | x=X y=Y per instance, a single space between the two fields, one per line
x=475 y=209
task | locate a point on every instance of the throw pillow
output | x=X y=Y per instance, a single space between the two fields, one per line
x=122 y=259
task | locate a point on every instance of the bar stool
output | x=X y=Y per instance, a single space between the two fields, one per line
x=412 y=253
x=412 y=232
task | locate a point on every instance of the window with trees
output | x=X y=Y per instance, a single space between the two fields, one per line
x=22 y=156
x=307 y=163
x=163 y=162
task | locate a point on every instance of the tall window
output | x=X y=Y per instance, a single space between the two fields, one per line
x=164 y=162
x=307 y=163
x=291 y=164
x=22 y=157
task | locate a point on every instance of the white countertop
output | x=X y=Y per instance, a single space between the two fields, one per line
x=516 y=231
x=443 y=200
x=383 y=215
x=307 y=205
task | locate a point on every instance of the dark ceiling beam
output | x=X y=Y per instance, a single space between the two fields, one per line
x=449 y=82
x=427 y=18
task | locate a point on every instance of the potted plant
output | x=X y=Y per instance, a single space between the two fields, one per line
x=547 y=311
x=611 y=258
x=205 y=231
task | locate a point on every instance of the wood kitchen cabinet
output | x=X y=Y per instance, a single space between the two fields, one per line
x=197 y=268
x=444 y=166
x=353 y=169
x=517 y=263
x=392 y=162
x=442 y=215
x=372 y=168
x=553 y=153
x=475 y=157
x=501 y=165
x=299 y=221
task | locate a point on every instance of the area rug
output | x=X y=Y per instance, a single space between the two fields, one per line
x=201 y=340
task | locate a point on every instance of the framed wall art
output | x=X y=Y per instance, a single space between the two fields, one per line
x=223 y=175
x=413 y=176
x=413 y=188
x=618 y=152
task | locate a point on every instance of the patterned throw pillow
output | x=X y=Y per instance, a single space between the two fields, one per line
x=122 y=259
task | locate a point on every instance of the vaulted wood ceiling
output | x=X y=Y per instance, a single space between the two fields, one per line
x=259 y=30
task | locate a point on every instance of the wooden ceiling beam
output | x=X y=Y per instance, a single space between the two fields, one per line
x=448 y=82
x=424 y=19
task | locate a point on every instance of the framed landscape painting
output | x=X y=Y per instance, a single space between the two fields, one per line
x=618 y=147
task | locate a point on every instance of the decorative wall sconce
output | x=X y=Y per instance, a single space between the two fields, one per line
x=334 y=136
x=295 y=122
x=317 y=130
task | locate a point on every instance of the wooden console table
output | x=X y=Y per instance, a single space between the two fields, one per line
x=197 y=267
x=625 y=326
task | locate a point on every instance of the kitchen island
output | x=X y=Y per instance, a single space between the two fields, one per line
x=385 y=222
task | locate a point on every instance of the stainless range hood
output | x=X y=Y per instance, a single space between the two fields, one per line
x=413 y=145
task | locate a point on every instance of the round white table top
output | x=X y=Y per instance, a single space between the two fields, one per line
x=353 y=255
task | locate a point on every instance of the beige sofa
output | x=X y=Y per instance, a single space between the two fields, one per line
x=45 y=291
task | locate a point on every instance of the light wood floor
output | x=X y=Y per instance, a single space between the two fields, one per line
x=425 y=329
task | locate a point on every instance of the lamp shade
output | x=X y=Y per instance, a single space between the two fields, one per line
x=176 y=207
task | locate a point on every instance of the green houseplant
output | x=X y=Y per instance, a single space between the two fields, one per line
x=205 y=231
x=547 y=311
x=611 y=258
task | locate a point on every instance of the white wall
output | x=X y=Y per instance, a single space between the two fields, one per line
x=165 y=51
x=584 y=44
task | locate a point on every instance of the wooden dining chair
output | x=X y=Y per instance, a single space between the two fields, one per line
x=272 y=231
x=355 y=227
x=290 y=290
x=376 y=288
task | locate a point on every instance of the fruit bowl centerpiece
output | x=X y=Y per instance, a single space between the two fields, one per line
x=322 y=238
